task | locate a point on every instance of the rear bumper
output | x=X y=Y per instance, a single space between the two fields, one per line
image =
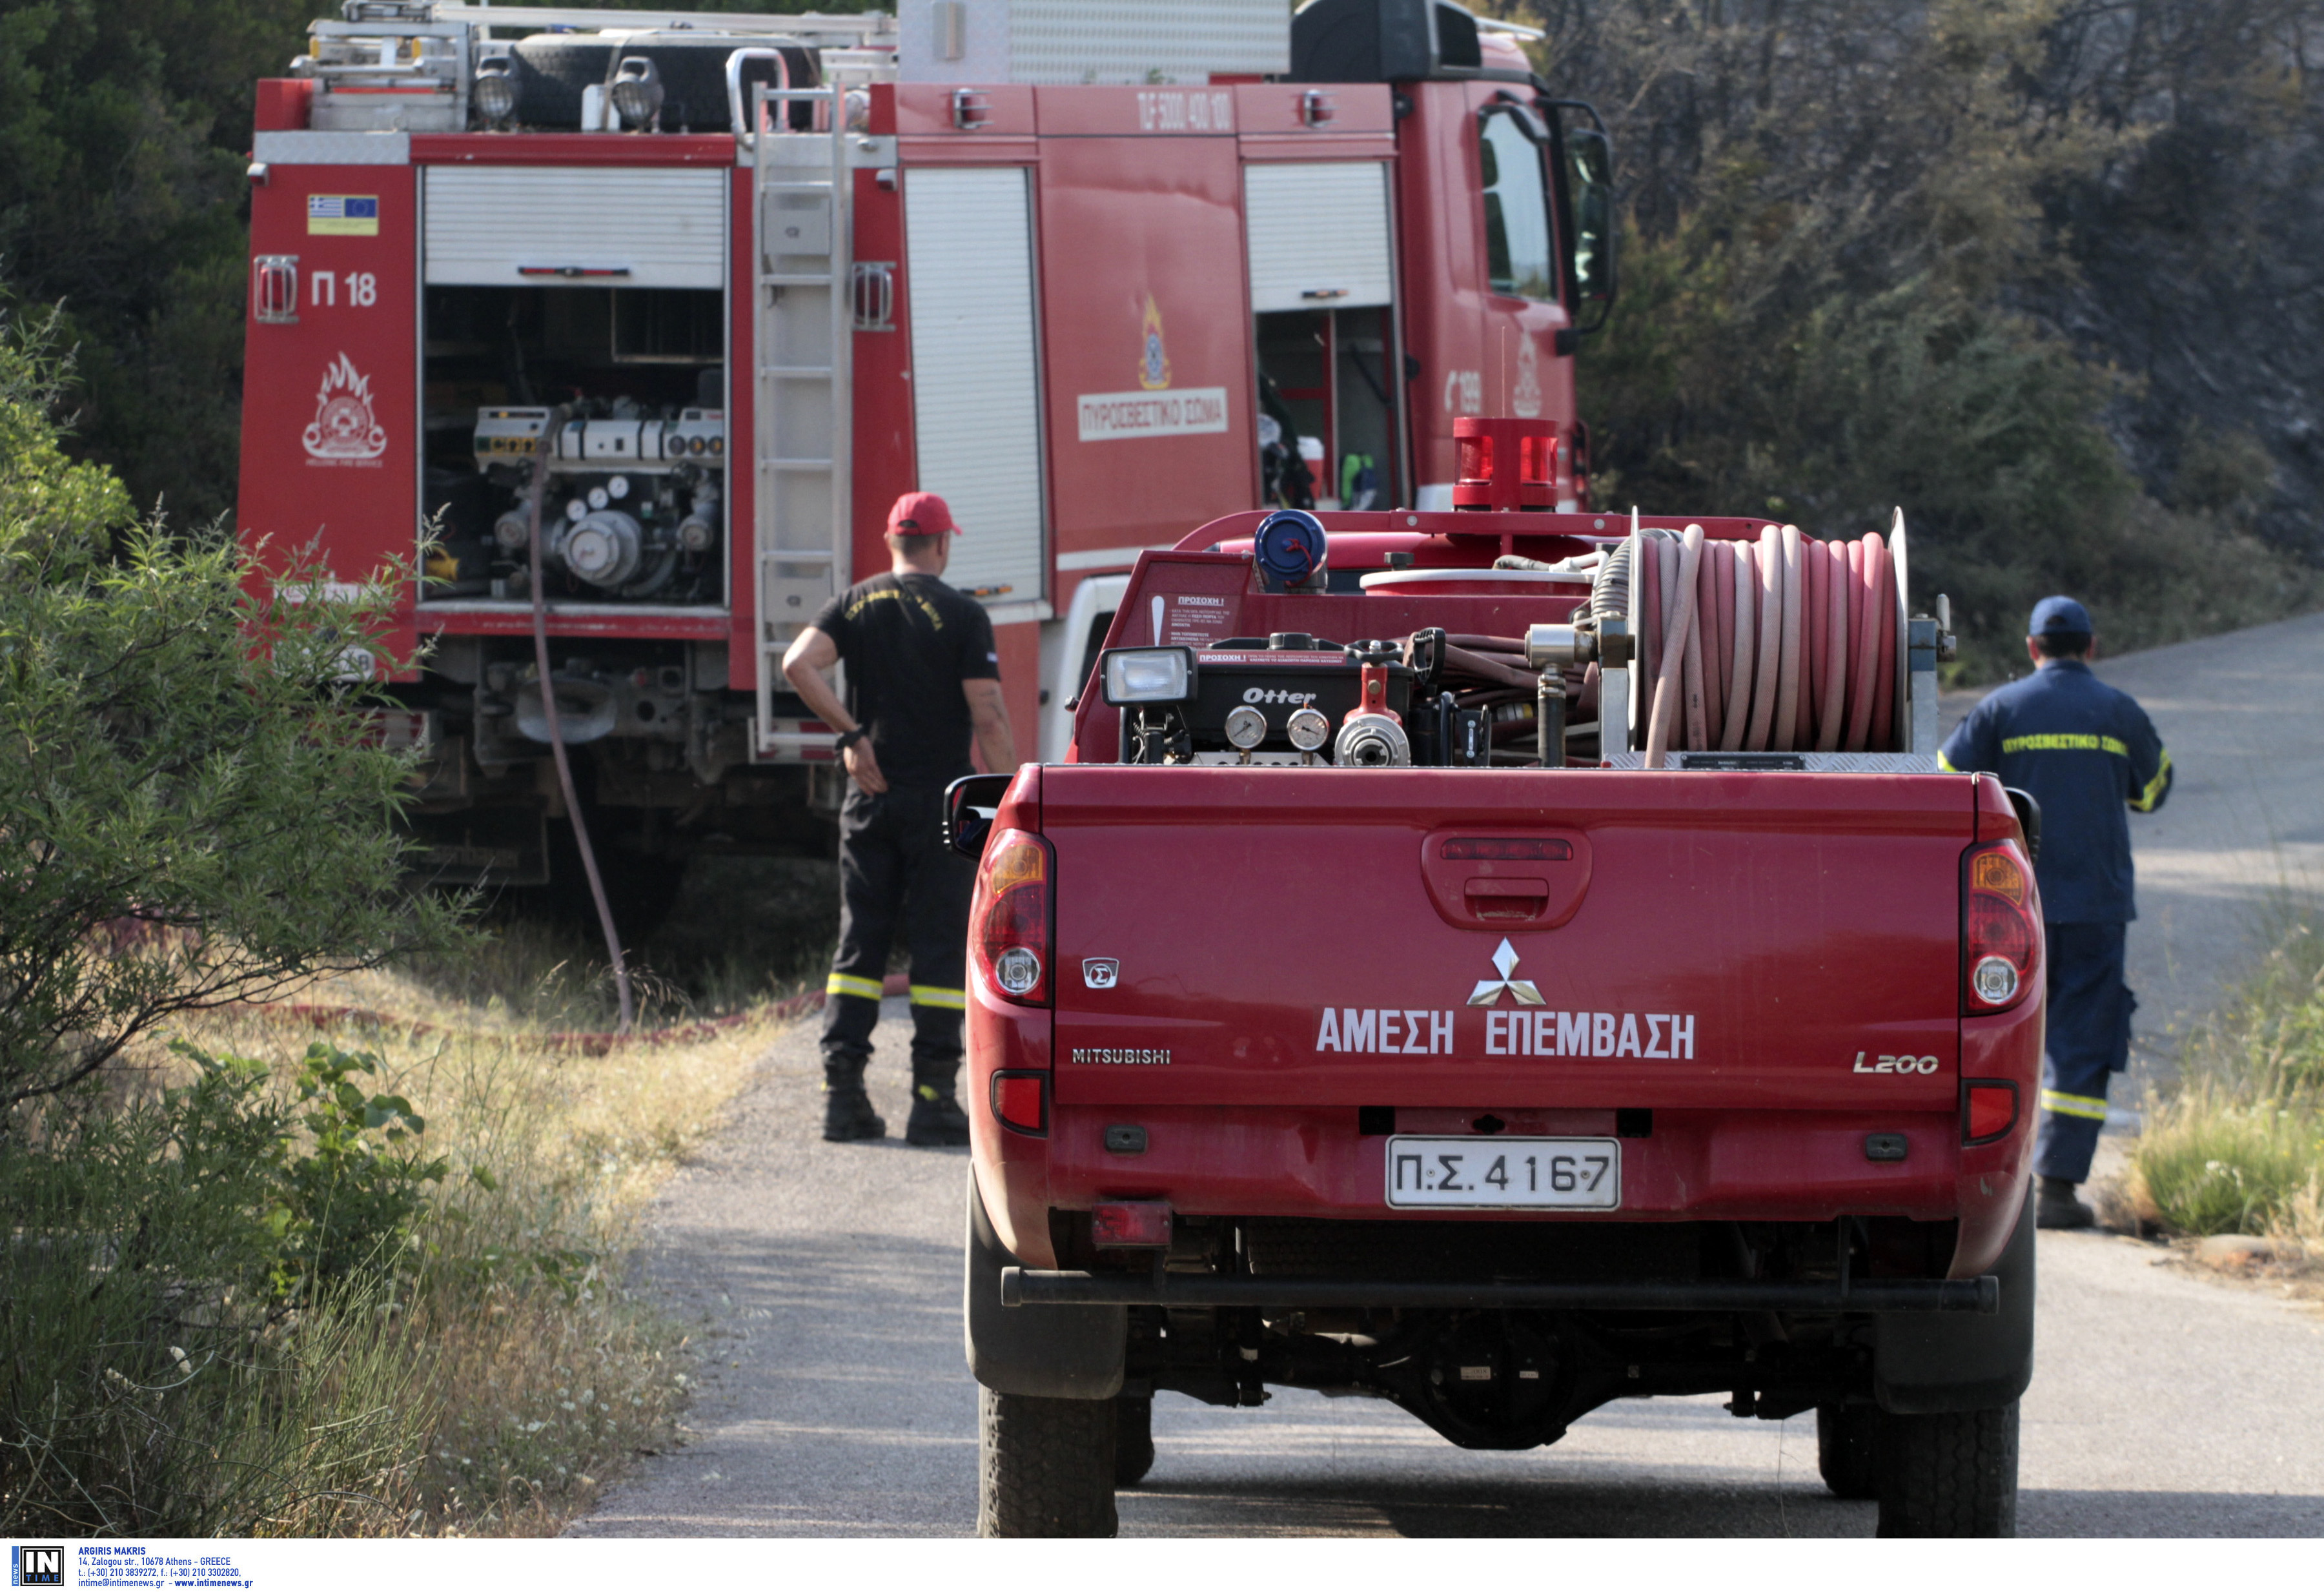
x=1700 y=1162
x=1964 y=1296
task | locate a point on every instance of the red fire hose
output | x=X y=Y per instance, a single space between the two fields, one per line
x=1787 y=644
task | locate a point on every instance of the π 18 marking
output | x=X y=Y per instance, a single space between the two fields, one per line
x=363 y=289
x=1896 y=1064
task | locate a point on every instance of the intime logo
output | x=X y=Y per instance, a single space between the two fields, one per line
x=36 y=1567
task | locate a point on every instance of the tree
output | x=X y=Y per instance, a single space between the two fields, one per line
x=195 y=801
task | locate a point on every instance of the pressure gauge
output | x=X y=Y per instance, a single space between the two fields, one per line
x=618 y=488
x=1309 y=729
x=1246 y=728
x=598 y=498
x=577 y=511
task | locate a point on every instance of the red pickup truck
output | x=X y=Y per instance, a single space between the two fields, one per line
x=1409 y=987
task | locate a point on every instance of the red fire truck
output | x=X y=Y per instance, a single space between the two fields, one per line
x=743 y=279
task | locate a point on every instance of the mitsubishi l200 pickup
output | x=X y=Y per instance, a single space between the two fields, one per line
x=1502 y=961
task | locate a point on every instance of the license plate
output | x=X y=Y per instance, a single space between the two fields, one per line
x=1496 y=1173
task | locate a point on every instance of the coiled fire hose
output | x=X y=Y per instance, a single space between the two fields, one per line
x=548 y=433
x=1787 y=644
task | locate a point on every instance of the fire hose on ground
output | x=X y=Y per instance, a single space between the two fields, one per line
x=549 y=430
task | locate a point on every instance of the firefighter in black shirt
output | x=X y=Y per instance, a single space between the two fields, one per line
x=923 y=679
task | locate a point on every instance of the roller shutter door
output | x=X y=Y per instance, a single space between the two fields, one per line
x=1319 y=235
x=506 y=225
x=976 y=386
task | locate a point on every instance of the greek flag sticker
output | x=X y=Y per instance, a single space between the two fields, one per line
x=343 y=214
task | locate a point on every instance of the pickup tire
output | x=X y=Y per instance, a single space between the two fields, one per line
x=1046 y=1467
x=1847 y=1450
x=1953 y=1474
x=1133 y=1440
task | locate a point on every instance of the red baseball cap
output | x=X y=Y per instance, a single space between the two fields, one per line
x=921 y=513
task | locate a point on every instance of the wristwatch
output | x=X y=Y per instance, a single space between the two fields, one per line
x=847 y=738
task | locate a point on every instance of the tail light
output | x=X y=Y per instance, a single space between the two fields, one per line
x=1011 y=934
x=2001 y=928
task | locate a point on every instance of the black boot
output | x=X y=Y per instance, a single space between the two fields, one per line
x=847 y=1113
x=2058 y=1209
x=937 y=1119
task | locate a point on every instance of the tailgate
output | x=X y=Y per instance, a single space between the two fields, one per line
x=1311 y=936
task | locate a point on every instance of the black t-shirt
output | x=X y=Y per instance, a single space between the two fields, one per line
x=908 y=641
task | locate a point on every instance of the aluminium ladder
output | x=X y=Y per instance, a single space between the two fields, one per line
x=802 y=389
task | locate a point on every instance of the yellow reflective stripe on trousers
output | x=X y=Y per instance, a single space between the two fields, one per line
x=2144 y=802
x=849 y=984
x=2073 y=1105
x=932 y=995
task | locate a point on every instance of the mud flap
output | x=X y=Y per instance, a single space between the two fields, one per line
x=1932 y=1364
x=1055 y=1351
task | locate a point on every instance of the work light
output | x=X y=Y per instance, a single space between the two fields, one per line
x=1148 y=674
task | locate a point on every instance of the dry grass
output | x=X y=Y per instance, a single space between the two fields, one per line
x=534 y=1372
x=2237 y=1145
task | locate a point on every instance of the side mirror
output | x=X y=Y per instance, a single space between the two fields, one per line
x=2029 y=819
x=1590 y=160
x=970 y=804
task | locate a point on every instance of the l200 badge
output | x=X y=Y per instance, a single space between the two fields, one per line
x=1101 y=972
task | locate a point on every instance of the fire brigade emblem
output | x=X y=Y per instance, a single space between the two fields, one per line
x=344 y=427
x=1487 y=991
x=1524 y=397
x=1153 y=360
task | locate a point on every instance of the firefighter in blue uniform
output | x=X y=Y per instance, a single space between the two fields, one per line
x=2086 y=752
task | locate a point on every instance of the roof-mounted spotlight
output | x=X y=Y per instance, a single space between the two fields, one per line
x=638 y=92
x=494 y=91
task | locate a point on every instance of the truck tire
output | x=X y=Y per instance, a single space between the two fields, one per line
x=1133 y=1440
x=1847 y=1444
x=1045 y=1467
x=1951 y=1475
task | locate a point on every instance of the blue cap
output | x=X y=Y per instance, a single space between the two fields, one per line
x=2058 y=616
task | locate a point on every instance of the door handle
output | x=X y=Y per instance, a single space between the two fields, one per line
x=1506 y=899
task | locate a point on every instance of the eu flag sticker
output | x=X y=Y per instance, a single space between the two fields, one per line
x=343 y=214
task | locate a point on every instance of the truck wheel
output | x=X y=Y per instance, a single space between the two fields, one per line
x=1846 y=1439
x=1133 y=1441
x=1046 y=1467
x=1951 y=1475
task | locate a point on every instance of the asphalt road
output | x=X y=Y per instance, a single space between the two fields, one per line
x=825 y=1279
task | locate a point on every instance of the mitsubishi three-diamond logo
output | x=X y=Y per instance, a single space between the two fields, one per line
x=1489 y=990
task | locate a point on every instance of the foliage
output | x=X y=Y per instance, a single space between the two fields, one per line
x=2237 y=1146
x=200 y=1305
x=1842 y=220
x=251 y=1302
x=195 y=808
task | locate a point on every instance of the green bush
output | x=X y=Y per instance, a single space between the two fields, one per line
x=203 y=1306
x=195 y=804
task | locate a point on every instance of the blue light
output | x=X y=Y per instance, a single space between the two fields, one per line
x=1289 y=544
